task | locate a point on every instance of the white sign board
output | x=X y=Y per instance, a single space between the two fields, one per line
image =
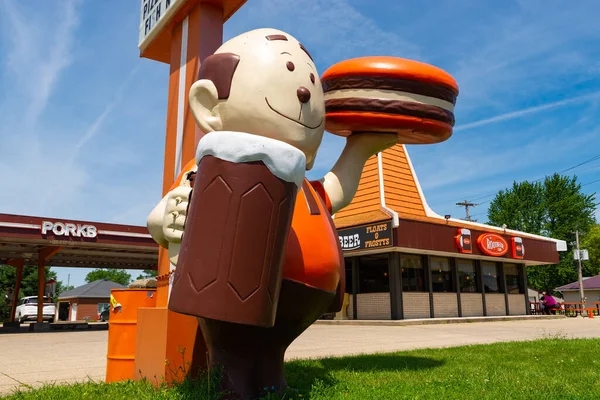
x=581 y=253
x=154 y=14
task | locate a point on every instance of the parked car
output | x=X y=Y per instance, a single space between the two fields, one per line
x=27 y=309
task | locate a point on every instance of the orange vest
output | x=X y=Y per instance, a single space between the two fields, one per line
x=313 y=256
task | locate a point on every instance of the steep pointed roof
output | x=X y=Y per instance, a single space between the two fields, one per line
x=366 y=205
x=389 y=189
x=387 y=186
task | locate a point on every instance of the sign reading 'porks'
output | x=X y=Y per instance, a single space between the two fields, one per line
x=68 y=229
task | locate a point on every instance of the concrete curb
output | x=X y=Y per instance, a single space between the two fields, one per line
x=435 y=321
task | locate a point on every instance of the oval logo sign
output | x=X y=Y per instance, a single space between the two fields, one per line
x=492 y=244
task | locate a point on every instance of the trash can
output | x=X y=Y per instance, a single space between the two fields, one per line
x=122 y=330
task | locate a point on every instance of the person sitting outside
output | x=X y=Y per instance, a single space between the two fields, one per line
x=550 y=303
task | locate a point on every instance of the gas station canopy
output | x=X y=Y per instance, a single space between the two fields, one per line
x=76 y=243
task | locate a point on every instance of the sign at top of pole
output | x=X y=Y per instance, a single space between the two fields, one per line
x=158 y=17
x=155 y=14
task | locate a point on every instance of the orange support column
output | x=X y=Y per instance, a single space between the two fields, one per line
x=44 y=254
x=18 y=263
x=170 y=345
x=41 y=287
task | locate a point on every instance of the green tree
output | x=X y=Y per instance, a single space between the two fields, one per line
x=591 y=242
x=29 y=284
x=147 y=273
x=555 y=208
x=520 y=208
x=116 y=275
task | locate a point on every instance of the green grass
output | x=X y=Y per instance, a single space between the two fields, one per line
x=551 y=368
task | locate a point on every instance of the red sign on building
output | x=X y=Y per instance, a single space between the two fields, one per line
x=463 y=241
x=492 y=244
x=518 y=249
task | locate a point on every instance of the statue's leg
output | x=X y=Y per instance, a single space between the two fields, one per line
x=299 y=307
x=233 y=349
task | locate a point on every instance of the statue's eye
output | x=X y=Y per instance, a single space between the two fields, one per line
x=290 y=66
x=312 y=78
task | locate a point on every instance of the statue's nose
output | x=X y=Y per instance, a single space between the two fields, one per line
x=303 y=94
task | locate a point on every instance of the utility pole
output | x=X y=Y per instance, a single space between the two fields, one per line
x=581 y=294
x=466 y=204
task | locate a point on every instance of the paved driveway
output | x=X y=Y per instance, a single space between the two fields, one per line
x=37 y=358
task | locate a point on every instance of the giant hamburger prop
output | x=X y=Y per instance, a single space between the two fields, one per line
x=389 y=94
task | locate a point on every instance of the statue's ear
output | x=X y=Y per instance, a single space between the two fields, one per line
x=214 y=85
x=203 y=102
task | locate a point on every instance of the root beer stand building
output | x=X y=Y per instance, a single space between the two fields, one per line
x=405 y=261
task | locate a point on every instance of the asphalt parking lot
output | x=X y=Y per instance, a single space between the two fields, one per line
x=70 y=356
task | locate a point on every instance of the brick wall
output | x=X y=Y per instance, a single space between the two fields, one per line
x=494 y=304
x=445 y=305
x=471 y=304
x=516 y=304
x=373 y=306
x=86 y=308
x=416 y=305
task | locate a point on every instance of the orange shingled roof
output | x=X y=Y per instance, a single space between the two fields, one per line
x=401 y=194
x=399 y=186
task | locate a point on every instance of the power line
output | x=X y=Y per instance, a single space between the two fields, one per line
x=488 y=201
x=594 y=158
x=590 y=167
x=580 y=164
x=589 y=183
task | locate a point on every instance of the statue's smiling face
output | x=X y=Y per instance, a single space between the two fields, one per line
x=275 y=91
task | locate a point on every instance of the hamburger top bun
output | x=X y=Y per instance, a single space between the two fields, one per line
x=391 y=67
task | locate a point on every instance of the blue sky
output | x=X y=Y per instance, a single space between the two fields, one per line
x=83 y=117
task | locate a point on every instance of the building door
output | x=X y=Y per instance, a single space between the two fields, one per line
x=63 y=310
x=74 y=312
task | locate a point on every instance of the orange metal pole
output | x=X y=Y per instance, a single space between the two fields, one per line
x=199 y=35
x=18 y=263
x=41 y=280
x=44 y=254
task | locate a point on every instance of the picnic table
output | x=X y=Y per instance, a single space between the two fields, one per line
x=569 y=309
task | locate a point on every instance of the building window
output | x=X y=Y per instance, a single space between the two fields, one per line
x=441 y=275
x=348 y=266
x=373 y=274
x=467 y=276
x=491 y=281
x=413 y=273
x=513 y=279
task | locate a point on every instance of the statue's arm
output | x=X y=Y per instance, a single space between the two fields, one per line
x=341 y=182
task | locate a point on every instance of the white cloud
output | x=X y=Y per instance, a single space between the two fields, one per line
x=37 y=56
x=527 y=111
x=36 y=61
x=95 y=126
x=332 y=30
x=456 y=165
x=522 y=49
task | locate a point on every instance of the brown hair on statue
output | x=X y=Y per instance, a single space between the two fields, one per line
x=220 y=68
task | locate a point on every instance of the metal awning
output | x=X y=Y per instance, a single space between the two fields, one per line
x=78 y=243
